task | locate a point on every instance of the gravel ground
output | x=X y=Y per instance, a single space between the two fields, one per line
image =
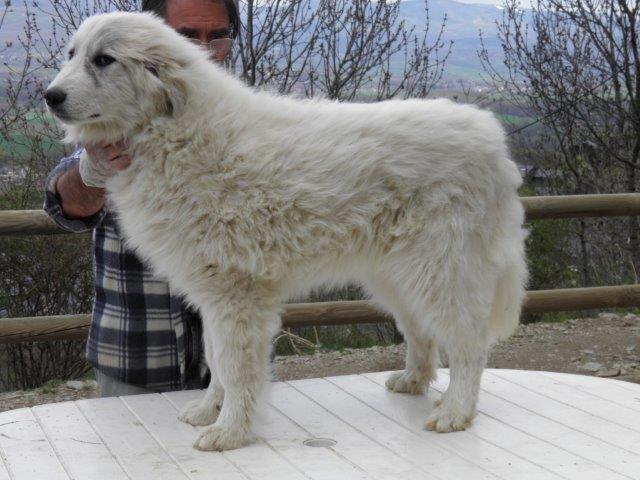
x=606 y=346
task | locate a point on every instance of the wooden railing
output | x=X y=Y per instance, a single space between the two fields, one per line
x=36 y=222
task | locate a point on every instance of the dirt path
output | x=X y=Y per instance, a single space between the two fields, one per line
x=605 y=346
x=608 y=345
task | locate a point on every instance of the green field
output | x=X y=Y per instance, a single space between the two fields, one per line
x=514 y=119
x=34 y=133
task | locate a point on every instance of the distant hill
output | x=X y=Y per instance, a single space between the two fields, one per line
x=464 y=22
x=464 y=19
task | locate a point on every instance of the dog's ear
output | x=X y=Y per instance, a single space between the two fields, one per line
x=173 y=85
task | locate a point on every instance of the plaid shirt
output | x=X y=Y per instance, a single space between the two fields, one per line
x=140 y=334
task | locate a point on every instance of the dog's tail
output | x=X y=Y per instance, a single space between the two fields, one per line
x=510 y=289
x=507 y=302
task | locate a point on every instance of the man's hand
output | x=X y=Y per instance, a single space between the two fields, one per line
x=99 y=161
x=81 y=188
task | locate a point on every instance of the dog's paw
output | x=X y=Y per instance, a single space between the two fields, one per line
x=406 y=382
x=448 y=418
x=196 y=414
x=218 y=438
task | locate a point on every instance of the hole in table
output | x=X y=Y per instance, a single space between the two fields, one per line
x=319 y=442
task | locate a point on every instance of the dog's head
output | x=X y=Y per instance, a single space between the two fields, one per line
x=122 y=70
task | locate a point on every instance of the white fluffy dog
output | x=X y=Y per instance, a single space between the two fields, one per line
x=243 y=198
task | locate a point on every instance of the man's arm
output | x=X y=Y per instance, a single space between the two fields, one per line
x=80 y=188
x=53 y=202
x=74 y=194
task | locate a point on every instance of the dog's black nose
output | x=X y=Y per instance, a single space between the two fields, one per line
x=54 y=97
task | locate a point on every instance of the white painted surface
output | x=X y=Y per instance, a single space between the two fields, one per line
x=531 y=425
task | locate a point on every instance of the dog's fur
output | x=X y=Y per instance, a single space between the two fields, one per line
x=243 y=199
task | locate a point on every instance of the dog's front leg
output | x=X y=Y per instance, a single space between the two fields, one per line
x=205 y=411
x=242 y=328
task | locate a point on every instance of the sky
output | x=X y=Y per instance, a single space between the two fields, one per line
x=489 y=2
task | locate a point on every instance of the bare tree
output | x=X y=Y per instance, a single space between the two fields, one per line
x=40 y=275
x=364 y=48
x=574 y=65
x=3 y=15
x=275 y=43
x=337 y=49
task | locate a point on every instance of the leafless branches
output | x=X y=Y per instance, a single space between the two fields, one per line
x=365 y=49
x=39 y=275
x=3 y=15
x=275 y=42
x=338 y=49
x=574 y=65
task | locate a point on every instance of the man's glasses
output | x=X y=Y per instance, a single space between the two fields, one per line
x=219 y=45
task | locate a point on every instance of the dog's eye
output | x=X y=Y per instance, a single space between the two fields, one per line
x=71 y=52
x=103 y=60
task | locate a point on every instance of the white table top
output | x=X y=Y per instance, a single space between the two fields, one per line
x=531 y=425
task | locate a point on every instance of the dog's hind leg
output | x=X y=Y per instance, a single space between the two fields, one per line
x=420 y=366
x=242 y=325
x=461 y=322
x=205 y=411
x=449 y=287
x=457 y=407
x=422 y=353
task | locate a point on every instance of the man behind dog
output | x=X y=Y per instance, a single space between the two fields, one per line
x=141 y=338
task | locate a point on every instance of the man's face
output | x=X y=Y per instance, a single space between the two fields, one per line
x=201 y=20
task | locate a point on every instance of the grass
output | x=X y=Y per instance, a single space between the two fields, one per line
x=309 y=340
x=561 y=317
x=514 y=120
x=51 y=386
x=20 y=143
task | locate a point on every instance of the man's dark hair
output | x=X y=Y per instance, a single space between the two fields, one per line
x=159 y=6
